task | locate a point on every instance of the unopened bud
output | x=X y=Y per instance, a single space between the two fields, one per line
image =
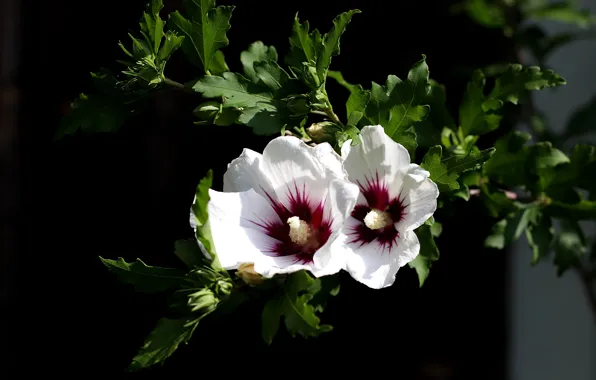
x=311 y=77
x=298 y=105
x=207 y=111
x=203 y=300
x=322 y=132
x=247 y=273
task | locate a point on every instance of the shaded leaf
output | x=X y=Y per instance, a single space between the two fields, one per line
x=145 y=278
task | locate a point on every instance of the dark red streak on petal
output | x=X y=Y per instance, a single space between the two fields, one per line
x=376 y=193
x=300 y=205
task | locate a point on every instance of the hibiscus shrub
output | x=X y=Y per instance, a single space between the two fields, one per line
x=329 y=194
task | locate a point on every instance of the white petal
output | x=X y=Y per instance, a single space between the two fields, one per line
x=376 y=267
x=331 y=160
x=245 y=173
x=232 y=218
x=288 y=162
x=376 y=153
x=420 y=198
x=341 y=200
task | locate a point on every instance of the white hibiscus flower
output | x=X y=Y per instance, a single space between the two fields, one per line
x=282 y=210
x=395 y=198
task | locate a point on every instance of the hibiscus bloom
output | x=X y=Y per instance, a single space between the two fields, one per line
x=395 y=198
x=282 y=210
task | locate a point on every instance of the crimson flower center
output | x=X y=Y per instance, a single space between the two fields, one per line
x=303 y=226
x=378 y=215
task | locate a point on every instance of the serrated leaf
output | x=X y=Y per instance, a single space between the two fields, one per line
x=145 y=278
x=330 y=46
x=310 y=50
x=398 y=105
x=152 y=25
x=446 y=171
x=93 y=113
x=517 y=79
x=163 y=342
x=293 y=304
x=357 y=102
x=428 y=131
x=508 y=165
x=261 y=107
x=541 y=165
x=204 y=27
x=256 y=52
x=570 y=245
x=518 y=222
x=476 y=116
x=540 y=237
x=428 y=253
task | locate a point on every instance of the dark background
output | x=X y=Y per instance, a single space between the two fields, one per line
x=128 y=194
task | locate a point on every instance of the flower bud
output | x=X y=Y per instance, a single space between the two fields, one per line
x=298 y=105
x=202 y=301
x=207 y=111
x=322 y=132
x=247 y=273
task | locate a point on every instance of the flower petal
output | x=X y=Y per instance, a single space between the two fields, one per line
x=341 y=200
x=376 y=153
x=419 y=196
x=233 y=219
x=331 y=160
x=244 y=173
x=288 y=162
x=376 y=267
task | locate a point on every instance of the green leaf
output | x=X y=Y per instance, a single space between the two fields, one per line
x=293 y=304
x=446 y=171
x=508 y=165
x=339 y=78
x=428 y=253
x=204 y=28
x=496 y=239
x=398 y=105
x=357 y=102
x=514 y=82
x=562 y=11
x=484 y=12
x=93 y=113
x=583 y=120
x=263 y=106
x=189 y=252
x=163 y=341
x=582 y=210
x=256 y=52
x=148 y=54
x=540 y=238
x=428 y=131
x=310 y=53
x=145 y=278
x=542 y=161
x=476 y=113
x=152 y=25
x=200 y=216
x=518 y=222
x=570 y=245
